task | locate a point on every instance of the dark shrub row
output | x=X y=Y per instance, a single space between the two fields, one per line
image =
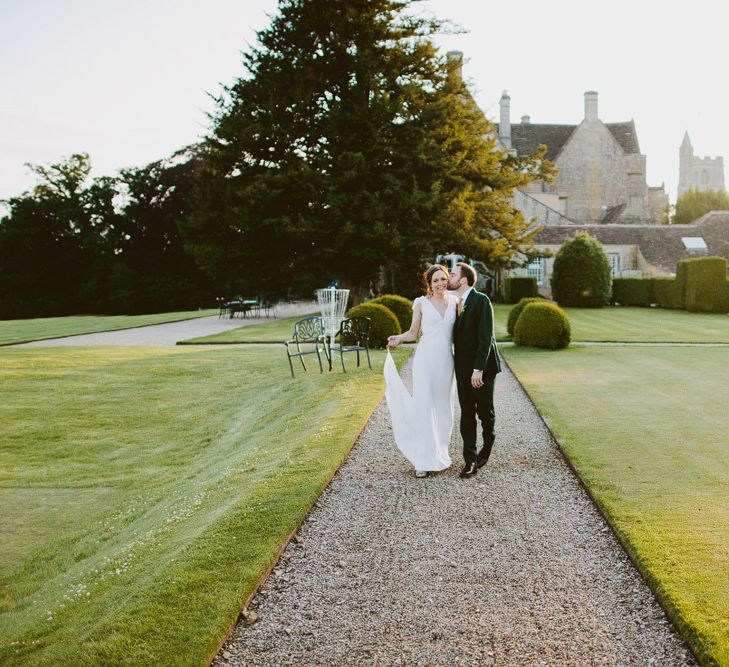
x=700 y=285
x=517 y=288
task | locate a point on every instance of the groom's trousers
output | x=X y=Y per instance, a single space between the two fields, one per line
x=477 y=402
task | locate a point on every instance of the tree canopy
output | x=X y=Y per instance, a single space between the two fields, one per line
x=106 y=245
x=350 y=145
x=694 y=203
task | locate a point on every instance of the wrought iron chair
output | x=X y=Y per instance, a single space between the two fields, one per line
x=309 y=331
x=222 y=305
x=353 y=336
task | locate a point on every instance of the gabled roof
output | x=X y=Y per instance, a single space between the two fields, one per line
x=625 y=135
x=526 y=137
x=661 y=245
x=611 y=214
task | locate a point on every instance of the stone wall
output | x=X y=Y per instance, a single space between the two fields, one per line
x=592 y=172
x=533 y=208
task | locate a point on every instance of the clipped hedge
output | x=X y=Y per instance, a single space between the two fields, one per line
x=665 y=293
x=543 y=325
x=400 y=306
x=679 y=296
x=519 y=287
x=632 y=291
x=705 y=284
x=581 y=275
x=383 y=322
x=517 y=310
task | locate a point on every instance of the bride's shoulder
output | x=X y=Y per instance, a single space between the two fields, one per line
x=454 y=298
x=418 y=300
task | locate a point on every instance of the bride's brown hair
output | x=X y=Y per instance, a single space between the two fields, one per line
x=428 y=276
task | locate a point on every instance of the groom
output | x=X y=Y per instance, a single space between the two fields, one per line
x=477 y=363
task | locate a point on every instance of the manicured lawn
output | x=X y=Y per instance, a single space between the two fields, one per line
x=609 y=324
x=275 y=331
x=24 y=331
x=636 y=325
x=646 y=428
x=144 y=490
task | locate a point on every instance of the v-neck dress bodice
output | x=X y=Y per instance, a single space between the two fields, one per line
x=422 y=422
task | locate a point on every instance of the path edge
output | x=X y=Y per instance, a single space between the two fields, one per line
x=686 y=632
x=287 y=540
x=89 y=333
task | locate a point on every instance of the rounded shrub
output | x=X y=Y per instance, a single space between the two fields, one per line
x=383 y=322
x=517 y=310
x=402 y=307
x=543 y=325
x=581 y=275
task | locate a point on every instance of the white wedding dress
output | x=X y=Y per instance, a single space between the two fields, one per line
x=422 y=423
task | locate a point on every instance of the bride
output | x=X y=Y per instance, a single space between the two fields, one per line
x=422 y=423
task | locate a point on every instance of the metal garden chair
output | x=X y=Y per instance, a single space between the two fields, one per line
x=308 y=331
x=353 y=336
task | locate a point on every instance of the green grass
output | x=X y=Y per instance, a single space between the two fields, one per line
x=275 y=331
x=646 y=430
x=145 y=490
x=636 y=325
x=41 y=328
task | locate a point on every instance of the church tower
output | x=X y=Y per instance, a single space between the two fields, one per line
x=701 y=173
x=685 y=161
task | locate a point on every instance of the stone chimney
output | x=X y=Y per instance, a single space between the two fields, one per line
x=455 y=63
x=591 y=105
x=505 y=120
x=525 y=120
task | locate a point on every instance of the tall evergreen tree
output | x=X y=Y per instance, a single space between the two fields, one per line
x=349 y=145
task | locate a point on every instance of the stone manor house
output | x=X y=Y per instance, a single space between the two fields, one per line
x=601 y=188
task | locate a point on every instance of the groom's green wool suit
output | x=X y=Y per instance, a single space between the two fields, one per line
x=475 y=349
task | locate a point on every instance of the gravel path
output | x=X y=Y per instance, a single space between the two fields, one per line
x=512 y=567
x=171 y=332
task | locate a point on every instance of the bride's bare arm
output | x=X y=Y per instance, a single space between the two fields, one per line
x=411 y=335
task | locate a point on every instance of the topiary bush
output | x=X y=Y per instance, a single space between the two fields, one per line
x=581 y=275
x=632 y=291
x=519 y=287
x=383 y=322
x=517 y=310
x=402 y=307
x=543 y=325
x=705 y=284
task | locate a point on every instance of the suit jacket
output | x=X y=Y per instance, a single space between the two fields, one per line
x=473 y=338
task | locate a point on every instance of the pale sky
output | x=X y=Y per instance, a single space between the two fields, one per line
x=128 y=80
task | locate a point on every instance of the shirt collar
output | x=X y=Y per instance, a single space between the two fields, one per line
x=465 y=295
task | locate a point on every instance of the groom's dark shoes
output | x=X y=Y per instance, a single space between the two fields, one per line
x=483 y=456
x=469 y=470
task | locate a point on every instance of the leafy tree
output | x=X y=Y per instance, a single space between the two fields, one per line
x=55 y=240
x=153 y=271
x=693 y=203
x=107 y=245
x=581 y=275
x=349 y=146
